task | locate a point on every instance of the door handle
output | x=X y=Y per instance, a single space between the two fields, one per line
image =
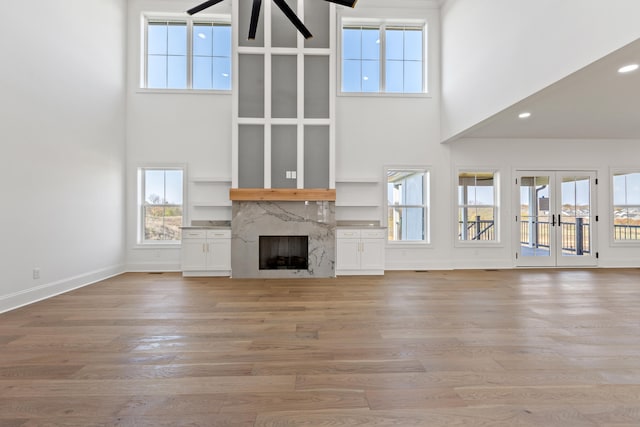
x=553 y=220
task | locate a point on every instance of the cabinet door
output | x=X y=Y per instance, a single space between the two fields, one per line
x=219 y=254
x=194 y=254
x=372 y=254
x=348 y=254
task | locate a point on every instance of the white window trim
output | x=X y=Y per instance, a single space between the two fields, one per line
x=343 y=21
x=141 y=243
x=190 y=20
x=611 y=228
x=427 y=207
x=497 y=210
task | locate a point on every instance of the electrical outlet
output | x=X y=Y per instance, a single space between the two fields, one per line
x=36 y=273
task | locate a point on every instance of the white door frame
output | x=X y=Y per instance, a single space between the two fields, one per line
x=553 y=254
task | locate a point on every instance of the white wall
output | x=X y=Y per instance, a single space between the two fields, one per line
x=497 y=52
x=377 y=131
x=62 y=132
x=507 y=156
x=371 y=132
x=190 y=129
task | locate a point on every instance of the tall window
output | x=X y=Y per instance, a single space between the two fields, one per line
x=161 y=204
x=626 y=206
x=187 y=54
x=383 y=58
x=477 y=207
x=407 y=205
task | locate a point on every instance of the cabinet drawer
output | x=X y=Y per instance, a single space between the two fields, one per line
x=347 y=233
x=218 y=234
x=373 y=234
x=194 y=234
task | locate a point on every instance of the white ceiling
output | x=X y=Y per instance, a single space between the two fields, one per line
x=595 y=102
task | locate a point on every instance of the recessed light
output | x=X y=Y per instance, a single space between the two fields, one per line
x=524 y=115
x=202 y=36
x=628 y=68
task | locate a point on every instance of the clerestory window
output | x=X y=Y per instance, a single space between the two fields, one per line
x=185 y=53
x=383 y=58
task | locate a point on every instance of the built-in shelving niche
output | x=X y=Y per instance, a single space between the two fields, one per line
x=359 y=199
x=209 y=199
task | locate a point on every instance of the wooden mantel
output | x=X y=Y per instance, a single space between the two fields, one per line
x=282 y=194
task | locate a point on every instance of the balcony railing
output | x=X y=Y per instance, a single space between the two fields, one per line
x=626 y=232
x=576 y=236
x=477 y=230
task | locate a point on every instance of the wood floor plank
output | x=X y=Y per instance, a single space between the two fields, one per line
x=439 y=348
x=300 y=401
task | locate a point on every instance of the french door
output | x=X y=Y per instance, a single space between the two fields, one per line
x=555 y=219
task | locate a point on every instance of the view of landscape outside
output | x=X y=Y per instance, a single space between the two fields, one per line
x=162 y=207
x=476 y=206
x=626 y=206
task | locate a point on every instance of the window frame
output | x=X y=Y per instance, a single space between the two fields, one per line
x=612 y=206
x=426 y=205
x=141 y=241
x=383 y=24
x=146 y=17
x=458 y=242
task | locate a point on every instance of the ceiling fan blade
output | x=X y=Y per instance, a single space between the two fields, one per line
x=284 y=7
x=349 y=3
x=255 y=14
x=203 y=6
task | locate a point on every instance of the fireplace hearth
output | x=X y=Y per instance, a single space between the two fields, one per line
x=284 y=252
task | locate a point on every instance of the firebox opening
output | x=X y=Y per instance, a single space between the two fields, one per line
x=284 y=252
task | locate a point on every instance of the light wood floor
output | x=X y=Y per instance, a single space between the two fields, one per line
x=455 y=348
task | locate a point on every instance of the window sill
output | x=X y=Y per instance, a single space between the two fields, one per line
x=176 y=245
x=384 y=95
x=625 y=243
x=477 y=244
x=409 y=245
x=183 y=91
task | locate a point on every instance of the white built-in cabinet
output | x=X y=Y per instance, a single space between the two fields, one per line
x=206 y=252
x=360 y=251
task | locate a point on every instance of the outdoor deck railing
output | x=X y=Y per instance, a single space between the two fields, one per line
x=575 y=236
x=626 y=232
x=477 y=230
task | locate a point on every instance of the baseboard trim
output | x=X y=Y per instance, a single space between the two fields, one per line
x=154 y=267
x=38 y=293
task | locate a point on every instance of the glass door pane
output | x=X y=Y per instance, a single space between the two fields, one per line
x=574 y=216
x=535 y=230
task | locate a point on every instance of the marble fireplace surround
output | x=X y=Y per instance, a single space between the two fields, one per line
x=292 y=217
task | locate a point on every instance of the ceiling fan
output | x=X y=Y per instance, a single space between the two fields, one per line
x=284 y=7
